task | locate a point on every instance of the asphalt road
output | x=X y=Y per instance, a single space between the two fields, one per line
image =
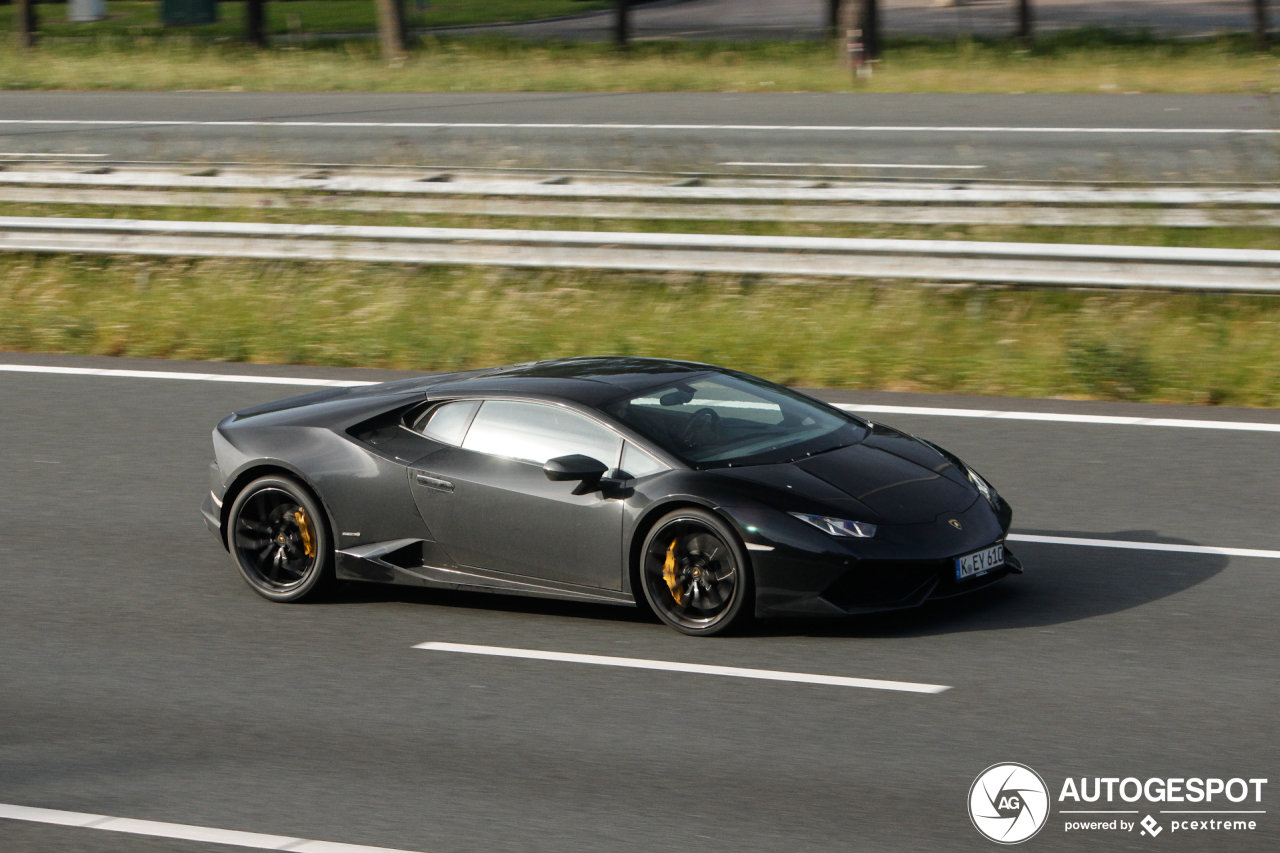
x=139 y=677
x=1018 y=137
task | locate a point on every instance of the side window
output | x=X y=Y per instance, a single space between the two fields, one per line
x=449 y=422
x=637 y=463
x=532 y=432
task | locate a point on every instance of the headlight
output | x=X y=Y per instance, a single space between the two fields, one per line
x=838 y=526
x=982 y=486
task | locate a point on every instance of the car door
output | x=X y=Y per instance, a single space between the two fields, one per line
x=490 y=505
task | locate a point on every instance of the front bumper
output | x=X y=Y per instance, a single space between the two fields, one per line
x=801 y=571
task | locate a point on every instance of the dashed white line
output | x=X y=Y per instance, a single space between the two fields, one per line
x=697 y=668
x=1144 y=546
x=1186 y=423
x=185 y=832
x=850 y=165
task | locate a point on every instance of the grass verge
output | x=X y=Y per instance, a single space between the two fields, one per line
x=1182 y=348
x=1078 y=61
x=1234 y=237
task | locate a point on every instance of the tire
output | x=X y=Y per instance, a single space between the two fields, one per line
x=279 y=539
x=695 y=574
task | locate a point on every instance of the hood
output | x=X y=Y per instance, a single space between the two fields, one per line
x=890 y=478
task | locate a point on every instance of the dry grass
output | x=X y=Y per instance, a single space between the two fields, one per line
x=1184 y=348
x=1088 y=63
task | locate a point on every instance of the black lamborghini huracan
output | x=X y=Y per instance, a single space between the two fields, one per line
x=705 y=494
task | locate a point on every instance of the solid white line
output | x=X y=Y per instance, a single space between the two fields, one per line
x=1143 y=546
x=210 y=835
x=672 y=666
x=49 y=155
x=1114 y=420
x=851 y=407
x=198 y=377
x=490 y=125
x=851 y=165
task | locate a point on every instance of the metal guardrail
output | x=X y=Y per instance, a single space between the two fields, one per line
x=564 y=188
x=1238 y=270
x=892 y=214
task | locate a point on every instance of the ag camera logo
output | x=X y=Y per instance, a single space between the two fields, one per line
x=1008 y=803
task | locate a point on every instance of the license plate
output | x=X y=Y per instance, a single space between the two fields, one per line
x=979 y=562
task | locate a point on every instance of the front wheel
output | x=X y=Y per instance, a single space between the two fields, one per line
x=695 y=574
x=279 y=540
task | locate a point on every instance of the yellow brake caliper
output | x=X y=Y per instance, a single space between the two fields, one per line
x=669 y=574
x=308 y=535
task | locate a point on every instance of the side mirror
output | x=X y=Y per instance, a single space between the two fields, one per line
x=575 y=467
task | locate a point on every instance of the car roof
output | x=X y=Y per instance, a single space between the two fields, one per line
x=589 y=380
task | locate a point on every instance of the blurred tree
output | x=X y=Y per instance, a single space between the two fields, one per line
x=255 y=29
x=1024 y=21
x=1260 y=24
x=391 y=37
x=25 y=25
x=833 y=17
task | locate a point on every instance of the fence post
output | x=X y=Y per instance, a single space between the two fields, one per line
x=1260 y=24
x=1024 y=21
x=255 y=29
x=621 y=22
x=869 y=23
x=26 y=23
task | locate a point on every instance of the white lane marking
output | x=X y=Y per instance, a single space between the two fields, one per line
x=490 y=125
x=198 y=377
x=1059 y=418
x=1143 y=546
x=851 y=165
x=209 y=835
x=673 y=666
x=1245 y=426
x=45 y=154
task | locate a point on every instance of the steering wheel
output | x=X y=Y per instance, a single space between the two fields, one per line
x=701 y=425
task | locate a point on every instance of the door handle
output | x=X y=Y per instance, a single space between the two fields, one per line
x=435 y=483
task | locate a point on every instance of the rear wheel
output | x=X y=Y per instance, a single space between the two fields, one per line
x=695 y=575
x=279 y=540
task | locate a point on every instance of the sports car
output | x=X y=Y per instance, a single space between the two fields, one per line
x=703 y=494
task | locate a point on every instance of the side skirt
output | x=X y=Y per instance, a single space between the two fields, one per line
x=409 y=561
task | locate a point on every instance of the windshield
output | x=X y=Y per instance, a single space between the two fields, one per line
x=721 y=420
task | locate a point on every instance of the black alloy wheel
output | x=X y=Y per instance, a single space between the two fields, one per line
x=695 y=574
x=280 y=540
